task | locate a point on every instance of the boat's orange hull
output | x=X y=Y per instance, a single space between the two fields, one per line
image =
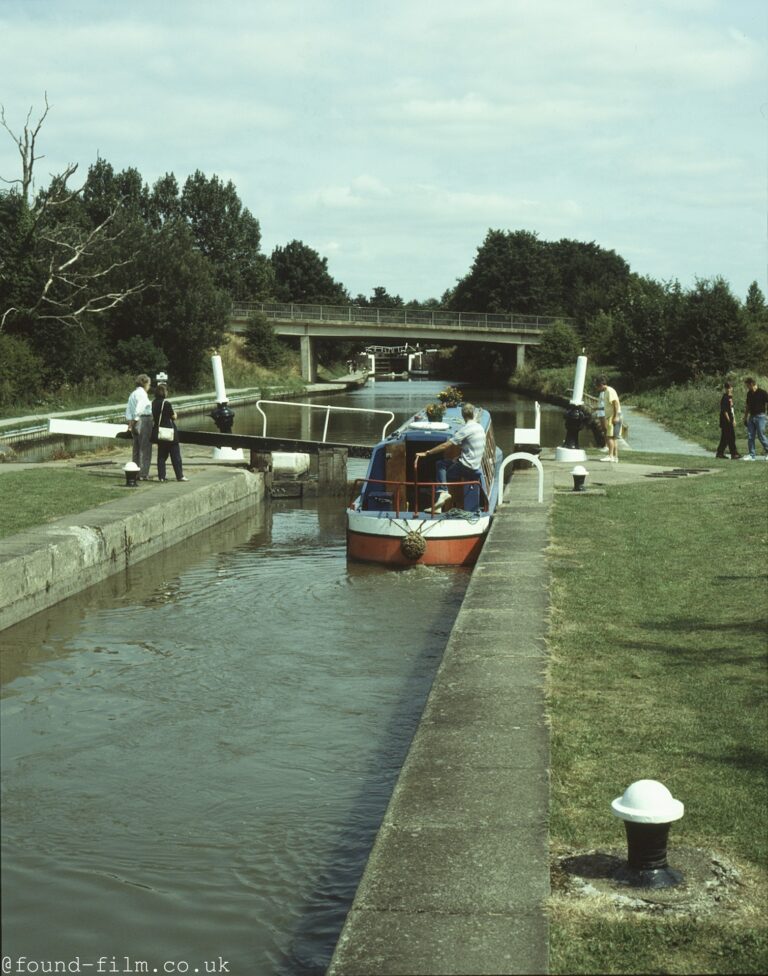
x=460 y=551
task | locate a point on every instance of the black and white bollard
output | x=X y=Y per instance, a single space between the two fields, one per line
x=579 y=475
x=131 y=472
x=648 y=810
x=575 y=417
x=223 y=416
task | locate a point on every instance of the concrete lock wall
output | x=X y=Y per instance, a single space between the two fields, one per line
x=42 y=566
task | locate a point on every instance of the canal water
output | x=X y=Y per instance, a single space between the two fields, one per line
x=198 y=752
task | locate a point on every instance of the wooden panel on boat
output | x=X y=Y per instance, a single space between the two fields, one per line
x=396 y=462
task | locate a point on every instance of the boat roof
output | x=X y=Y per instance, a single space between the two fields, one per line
x=420 y=427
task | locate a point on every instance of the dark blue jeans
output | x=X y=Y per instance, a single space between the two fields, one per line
x=456 y=471
x=164 y=448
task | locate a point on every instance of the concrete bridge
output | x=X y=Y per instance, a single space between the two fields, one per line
x=311 y=322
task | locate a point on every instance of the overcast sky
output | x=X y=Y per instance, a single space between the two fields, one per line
x=391 y=136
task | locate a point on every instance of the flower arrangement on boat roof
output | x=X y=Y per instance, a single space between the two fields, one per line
x=451 y=396
x=435 y=411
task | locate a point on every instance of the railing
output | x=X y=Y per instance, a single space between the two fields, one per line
x=399 y=486
x=327 y=408
x=423 y=318
x=521 y=456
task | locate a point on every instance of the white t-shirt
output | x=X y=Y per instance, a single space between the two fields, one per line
x=472 y=439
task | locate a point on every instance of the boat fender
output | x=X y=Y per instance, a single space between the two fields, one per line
x=413 y=545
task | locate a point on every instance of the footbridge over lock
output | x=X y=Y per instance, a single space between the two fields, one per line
x=312 y=322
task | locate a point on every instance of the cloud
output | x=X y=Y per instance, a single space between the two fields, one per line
x=398 y=133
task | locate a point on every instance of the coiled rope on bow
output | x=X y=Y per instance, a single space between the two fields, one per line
x=413 y=545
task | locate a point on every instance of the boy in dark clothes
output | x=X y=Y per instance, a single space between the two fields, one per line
x=727 y=425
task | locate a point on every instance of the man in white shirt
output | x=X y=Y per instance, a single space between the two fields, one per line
x=466 y=467
x=138 y=413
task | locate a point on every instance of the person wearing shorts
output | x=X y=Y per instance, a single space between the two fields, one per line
x=612 y=420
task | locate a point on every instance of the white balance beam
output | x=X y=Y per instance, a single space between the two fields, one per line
x=85 y=428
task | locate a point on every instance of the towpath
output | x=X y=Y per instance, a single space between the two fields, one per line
x=458 y=877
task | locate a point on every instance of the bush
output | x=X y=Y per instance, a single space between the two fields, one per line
x=20 y=371
x=262 y=346
x=560 y=345
x=139 y=355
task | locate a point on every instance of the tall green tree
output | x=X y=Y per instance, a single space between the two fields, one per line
x=591 y=279
x=643 y=325
x=301 y=275
x=708 y=331
x=754 y=351
x=182 y=311
x=512 y=272
x=225 y=232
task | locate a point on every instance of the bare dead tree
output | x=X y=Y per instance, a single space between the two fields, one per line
x=26 y=146
x=76 y=279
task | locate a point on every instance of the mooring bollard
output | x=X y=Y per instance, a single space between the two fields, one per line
x=648 y=810
x=131 y=471
x=579 y=474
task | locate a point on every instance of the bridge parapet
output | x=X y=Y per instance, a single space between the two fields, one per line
x=368 y=315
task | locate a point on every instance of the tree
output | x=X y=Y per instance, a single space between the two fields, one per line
x=754 y=304
x=512 y=272
x=754 y=350
x=591 y=279
x=262 y=345
x=58 y=267
x=707 y=332
x=380 y=298
x=302 y=276
x=21 y=371
x=225 y=233
x=643 y=324
x=560 y=346
x=182 y=312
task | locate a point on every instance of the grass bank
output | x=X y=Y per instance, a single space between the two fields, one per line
x=658 y=671
x=33 y=497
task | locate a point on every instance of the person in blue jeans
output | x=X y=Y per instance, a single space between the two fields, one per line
x=755 y=413
x=471 y=438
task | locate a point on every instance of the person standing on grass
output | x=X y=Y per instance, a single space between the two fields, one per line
x=138 y=413
x=164 y=415
x=612 y=420
x=755 y=417
x=727 y=425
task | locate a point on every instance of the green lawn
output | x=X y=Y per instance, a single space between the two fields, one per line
x=659 y=638
x=34 y=496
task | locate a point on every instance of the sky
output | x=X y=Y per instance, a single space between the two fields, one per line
x=391 y=136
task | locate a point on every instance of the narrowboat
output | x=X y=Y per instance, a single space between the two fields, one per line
x=394 y=517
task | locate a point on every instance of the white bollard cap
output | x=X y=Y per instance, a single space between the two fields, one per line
x=647 y=801
x=131 y=466
x=579 y=470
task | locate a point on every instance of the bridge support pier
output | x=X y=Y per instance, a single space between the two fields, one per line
x=520 y=352
x=308 y=359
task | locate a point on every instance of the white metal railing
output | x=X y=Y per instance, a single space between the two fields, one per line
x=521 y=456
x=322 y=406
x=423 y=318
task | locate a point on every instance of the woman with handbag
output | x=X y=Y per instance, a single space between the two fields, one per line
x=164 y=434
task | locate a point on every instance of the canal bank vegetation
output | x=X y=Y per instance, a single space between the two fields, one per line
x=658 y=671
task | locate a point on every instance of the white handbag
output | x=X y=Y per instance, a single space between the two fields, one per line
x=165 y=433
